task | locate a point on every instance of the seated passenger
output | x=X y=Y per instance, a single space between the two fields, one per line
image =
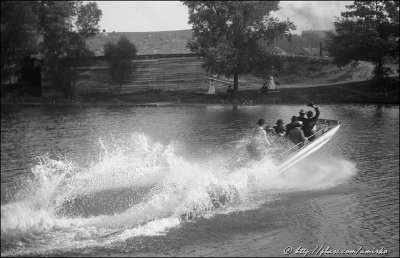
x=291 y=125
x=270 y=130
x=280 y=128
x=301 y=116
x=296 y=135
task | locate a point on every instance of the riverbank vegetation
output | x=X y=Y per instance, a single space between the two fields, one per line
x=368 y=31
x=366 y=92
x=227 y=34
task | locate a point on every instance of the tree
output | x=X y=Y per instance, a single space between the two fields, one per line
x=369 y=31
x=65 y=26
x=18 y=27
x=227 y=33
x=119 y=57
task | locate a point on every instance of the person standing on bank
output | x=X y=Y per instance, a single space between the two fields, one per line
x=310 y=126
x=271 y=81
x=211 y=87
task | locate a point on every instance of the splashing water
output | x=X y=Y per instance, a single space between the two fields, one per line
x=138 y=187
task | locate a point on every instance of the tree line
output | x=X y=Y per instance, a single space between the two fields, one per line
x=58 y=30
x=228 y=34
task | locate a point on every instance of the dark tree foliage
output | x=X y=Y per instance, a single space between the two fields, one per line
x=368 y=31
x=227 y=33
x=119 y=56
x=65 y=26
x=18 y=24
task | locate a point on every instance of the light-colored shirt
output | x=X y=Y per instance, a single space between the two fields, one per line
x=261 y=136
x=271 y=83
x=211 y=88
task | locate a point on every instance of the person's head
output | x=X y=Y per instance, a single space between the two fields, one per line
x=302 y=112
x=310 y=114
x=299 y=124
x=261 y=122
x=294 y=119
x=279 y=122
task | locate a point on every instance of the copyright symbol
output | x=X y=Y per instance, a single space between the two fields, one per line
x=288 y=250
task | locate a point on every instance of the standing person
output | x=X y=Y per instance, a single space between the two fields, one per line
x=271 y=83
x=280 y=128
x=229 y=90
x=310 y=126
x=259 y=142
x=211 y=87
x=296 y=135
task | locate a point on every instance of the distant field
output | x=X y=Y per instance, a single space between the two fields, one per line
x=307 y=75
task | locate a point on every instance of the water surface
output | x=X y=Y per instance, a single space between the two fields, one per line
x=174 y=181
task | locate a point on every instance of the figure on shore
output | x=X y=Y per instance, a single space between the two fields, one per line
x=211 y=87
x=229 y=90
x=270 y=82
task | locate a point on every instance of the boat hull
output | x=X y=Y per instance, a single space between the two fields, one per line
x=309 y=148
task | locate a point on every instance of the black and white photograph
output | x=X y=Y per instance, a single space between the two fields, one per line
x=200 y=128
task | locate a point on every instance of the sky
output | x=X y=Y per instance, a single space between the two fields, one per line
x=139 y=16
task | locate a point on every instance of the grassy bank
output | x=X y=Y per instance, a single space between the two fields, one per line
x=351 y=92
x=354 y=92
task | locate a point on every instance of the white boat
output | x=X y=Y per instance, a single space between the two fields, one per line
x=325 y=130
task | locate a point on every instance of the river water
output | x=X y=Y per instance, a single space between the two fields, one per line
x=175 y=181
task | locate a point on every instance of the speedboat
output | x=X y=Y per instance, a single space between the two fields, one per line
x=326 y=128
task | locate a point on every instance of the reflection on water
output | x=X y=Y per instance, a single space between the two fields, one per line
x=130 y=180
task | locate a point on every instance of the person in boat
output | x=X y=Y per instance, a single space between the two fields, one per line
x=270 y=130
x=302 y=116
x=280 y=128
x=259 y=142
x=211 y=87
x=229 y=90
x=310 y=125
x=292 y=124
x=296 y=135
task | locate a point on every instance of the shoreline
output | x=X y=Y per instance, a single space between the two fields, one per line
x=360 y=92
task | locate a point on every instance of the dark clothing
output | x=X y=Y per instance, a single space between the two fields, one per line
x=296 y=135
x=302 y=119
x=290 y=127
x=280 y=129
x=264 y=89
x=310 y=125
